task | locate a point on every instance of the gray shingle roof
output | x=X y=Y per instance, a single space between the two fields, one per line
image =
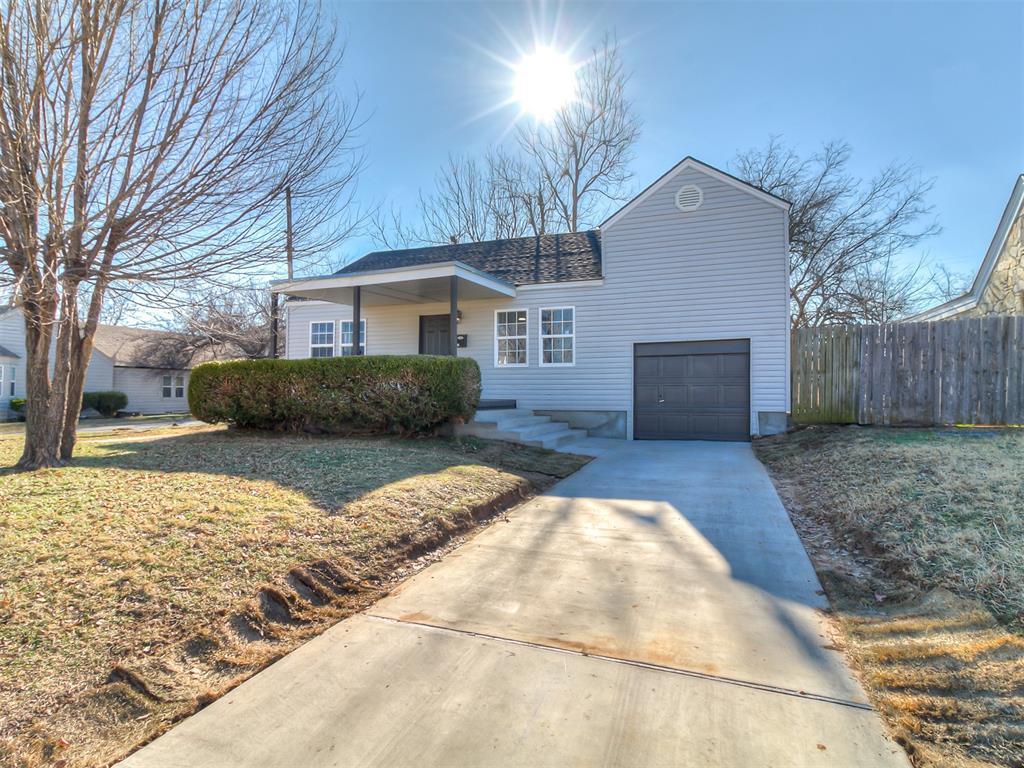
x=131 y=347
x=520 y=261
x=5 y=352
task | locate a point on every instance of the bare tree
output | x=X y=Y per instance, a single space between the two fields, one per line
x=582 y=156
x=947 y=284
x=843 y=231
x=472 y=200
x=237 y=318
x=145 y=144
x=562 y=175
x=881 y=292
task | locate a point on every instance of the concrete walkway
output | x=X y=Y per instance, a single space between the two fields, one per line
x=655 y=609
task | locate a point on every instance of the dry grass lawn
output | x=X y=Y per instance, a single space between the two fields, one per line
x=918 y=537
x=162 y=568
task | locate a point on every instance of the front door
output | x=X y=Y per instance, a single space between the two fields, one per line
x=435 y=335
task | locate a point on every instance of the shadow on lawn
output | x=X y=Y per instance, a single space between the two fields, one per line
x=330 y=471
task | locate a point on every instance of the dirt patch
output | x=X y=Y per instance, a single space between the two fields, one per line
x=887 y=517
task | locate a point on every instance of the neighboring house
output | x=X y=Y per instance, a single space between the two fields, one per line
x=12 y=358
x=998 y=288
x=150 y=367
x=671 y=321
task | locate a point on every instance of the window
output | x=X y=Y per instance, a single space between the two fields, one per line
x=7 y=382
x=346 y=337
x=510 y=338
x=558 y=336
x=321 y=339
x=173 y=386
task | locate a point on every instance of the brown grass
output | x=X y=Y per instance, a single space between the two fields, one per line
x=918 y=537
x=161 y=569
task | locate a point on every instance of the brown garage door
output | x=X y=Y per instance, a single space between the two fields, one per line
x=692 y=390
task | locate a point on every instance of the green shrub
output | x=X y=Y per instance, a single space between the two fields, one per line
x=17 y=404
x=107 y=403
x=372 y=394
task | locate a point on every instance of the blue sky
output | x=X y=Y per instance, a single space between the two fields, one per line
x=938 y=84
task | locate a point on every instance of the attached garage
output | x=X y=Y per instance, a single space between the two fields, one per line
x=692 y=390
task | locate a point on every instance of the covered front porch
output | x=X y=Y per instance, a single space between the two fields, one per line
x=427 y=284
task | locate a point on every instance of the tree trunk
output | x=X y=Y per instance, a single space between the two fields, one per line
x=43 y=427
x=81 y=351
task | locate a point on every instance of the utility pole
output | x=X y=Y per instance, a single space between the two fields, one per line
x=289 y=250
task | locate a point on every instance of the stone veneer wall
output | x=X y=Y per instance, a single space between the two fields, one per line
x=1004 y=294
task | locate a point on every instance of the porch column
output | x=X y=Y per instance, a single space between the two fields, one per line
x=356 y=350
x=453 y=315
x=274 y=326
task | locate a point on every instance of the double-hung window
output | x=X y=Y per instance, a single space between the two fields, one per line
x=173 y=386
x=346 y=337
x=558 y=336
x=510 y=331
x=11 y=377
x=321 y=339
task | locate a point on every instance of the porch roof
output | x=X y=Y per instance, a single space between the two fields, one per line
x=399 y=285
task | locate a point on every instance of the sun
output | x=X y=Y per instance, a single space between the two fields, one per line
x=545 y=81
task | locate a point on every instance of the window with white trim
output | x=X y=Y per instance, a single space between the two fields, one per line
x=558 y=336
x=11 y=378
x=321 y=339
x=510 y=331
x=346 y=337
x=173 y=386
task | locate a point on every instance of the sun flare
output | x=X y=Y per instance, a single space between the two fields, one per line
x=545 y=81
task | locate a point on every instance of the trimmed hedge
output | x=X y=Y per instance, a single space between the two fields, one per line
x=364 y=394
x=107 y=403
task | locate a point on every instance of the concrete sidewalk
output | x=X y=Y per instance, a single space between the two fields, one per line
x=656 y=608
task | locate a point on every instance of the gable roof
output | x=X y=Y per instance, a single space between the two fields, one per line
x=520 y=261
x=970 y=299
x=5 y=352
x=147 y=348
x=692 y=162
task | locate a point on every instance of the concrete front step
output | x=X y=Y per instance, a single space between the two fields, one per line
x=496 y=414
x=559 y=441
x=519 y=425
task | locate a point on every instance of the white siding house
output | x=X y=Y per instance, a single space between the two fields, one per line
x=697 y=257
x=149 y=366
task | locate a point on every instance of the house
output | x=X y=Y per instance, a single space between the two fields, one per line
x=670 y=321
x=150 y=367
x=998 y=288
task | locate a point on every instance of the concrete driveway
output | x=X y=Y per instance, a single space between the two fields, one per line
x=655 y=609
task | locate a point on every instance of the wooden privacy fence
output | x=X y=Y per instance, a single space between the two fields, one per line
x=964 y=371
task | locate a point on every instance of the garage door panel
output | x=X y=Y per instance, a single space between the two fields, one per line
x=692 y=390
x=704 y=366
x=737 y=425
x=735 y=395
x=706 y=395
x=646 y=395
x=674 y=394
x=673 y=367
x=735 y=365
x=647 y=366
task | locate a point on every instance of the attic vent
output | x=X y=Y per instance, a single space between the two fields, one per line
x=689 y=197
